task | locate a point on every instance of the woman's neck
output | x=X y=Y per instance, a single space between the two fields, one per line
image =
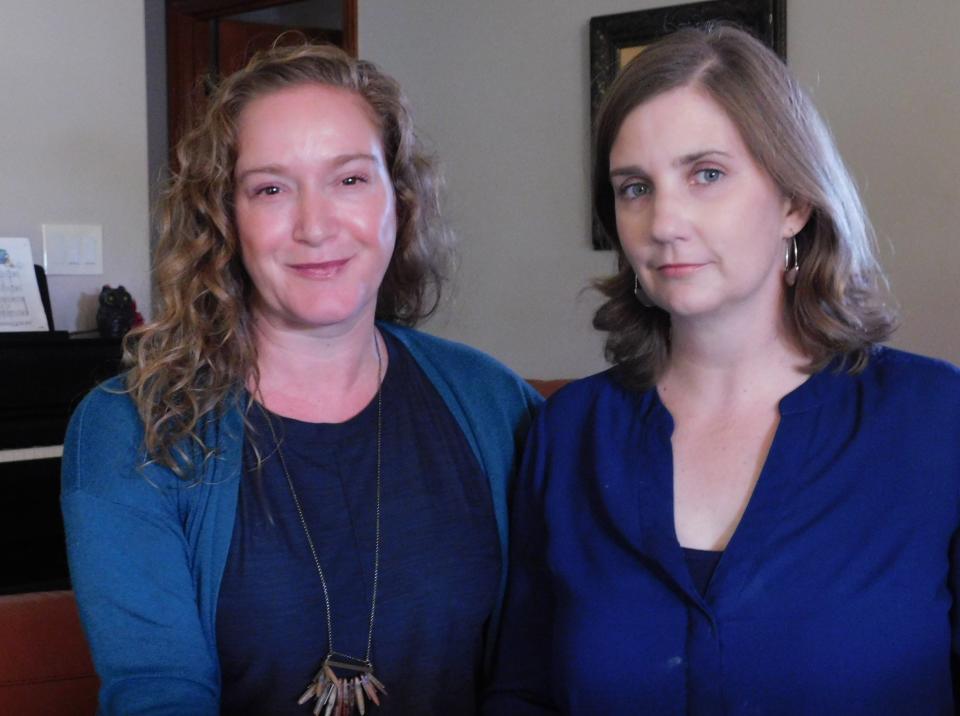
x=318 y=377
x=716 y=366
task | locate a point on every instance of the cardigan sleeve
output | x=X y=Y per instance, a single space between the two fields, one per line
x=130 y=568
x=523 y=662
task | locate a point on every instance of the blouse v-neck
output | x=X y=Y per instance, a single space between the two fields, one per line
x=654 y=428
x=834 y=594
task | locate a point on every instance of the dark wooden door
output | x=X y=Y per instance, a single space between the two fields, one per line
x=238 y=41
x=204 y=44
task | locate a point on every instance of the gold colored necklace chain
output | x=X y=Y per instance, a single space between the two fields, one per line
x=328 y=688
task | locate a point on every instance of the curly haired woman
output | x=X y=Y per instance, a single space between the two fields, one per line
x=292 y=502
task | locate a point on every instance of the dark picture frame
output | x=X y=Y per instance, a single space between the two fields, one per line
x=615 y=39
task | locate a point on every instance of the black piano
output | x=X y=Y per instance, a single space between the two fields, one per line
x=43 y=377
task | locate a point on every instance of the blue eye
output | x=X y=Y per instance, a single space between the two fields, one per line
x=708 y=176
x=634 y=190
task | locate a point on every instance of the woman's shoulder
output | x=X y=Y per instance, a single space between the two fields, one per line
x=907 y=387
x=919 y=375
x=598 y=397
x=459 y=364
x=583 y=391
x=104 y=454
x=889 y=358
x=107 y=410
x=103 y=437
x=446 y=350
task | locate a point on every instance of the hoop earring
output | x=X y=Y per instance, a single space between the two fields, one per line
x=640 y=294
x=791 y=263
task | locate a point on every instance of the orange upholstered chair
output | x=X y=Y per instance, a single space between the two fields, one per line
x=45 y=666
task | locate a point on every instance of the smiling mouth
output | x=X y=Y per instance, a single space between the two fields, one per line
x=679 y=270
x=320 y=269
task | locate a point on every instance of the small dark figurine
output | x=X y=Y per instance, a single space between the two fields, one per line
x=117 y=312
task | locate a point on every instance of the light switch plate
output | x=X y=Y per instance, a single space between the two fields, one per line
x=72 y=249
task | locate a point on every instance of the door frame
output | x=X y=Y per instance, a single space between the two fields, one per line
x=189 y=39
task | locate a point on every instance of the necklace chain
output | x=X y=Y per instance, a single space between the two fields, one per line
x=306 y=529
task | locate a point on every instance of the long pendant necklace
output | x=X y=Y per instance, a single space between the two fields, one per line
x=344 y=683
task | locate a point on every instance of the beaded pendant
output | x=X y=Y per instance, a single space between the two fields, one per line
x=346 y=694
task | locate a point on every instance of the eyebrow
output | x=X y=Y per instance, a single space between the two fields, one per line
x=685 y=160
x=338 y=161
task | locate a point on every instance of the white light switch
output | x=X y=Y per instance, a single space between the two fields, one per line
x=72 y=249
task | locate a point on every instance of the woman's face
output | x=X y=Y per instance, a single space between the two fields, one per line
x=702 y=224
x=315 y=207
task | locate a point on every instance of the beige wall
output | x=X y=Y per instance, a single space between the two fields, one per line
x=501 y=88
x=886 y=75
x=73 y=138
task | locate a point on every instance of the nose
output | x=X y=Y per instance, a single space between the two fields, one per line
x=669 y=217
x=317 y=218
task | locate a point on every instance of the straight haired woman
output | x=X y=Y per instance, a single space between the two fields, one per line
x=756 y=509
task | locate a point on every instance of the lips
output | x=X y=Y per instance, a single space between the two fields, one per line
x=679 y=270
x=320 y=269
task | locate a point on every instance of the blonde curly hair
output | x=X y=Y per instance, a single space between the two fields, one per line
x=199 y=350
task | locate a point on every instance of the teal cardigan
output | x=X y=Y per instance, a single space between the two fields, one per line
x=147 y=549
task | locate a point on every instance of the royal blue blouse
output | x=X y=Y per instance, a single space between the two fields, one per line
x=836 y=594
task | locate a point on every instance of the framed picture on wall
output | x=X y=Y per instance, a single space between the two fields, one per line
x=617 y=39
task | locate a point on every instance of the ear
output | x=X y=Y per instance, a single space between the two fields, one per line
x=796 y=215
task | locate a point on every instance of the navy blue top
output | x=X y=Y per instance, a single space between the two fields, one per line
x=835 y=594
x=439 y=569
x=702 y=563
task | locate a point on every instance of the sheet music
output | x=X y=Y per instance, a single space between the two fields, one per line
x=20 y=306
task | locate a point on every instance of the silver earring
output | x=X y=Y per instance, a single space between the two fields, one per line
x=791 y=263
x=641 y=295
